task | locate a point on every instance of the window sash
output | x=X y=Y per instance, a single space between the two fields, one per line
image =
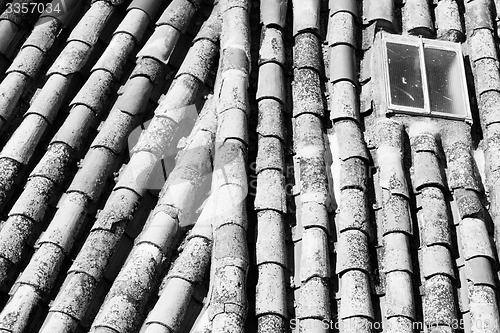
x=421 y=43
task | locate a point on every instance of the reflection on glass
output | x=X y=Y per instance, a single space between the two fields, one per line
x=405 y=78
x=444 y=81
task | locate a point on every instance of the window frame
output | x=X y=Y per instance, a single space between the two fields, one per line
x=421 y=42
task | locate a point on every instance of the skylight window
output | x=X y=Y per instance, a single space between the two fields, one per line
x=425 y=76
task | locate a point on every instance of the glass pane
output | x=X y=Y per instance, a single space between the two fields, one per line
x=445 y=81
x=405 y=77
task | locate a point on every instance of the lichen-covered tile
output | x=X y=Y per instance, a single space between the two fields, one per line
x=270 y=191
x=417 y=18
x=178 y=15
x=199 y=65
x=271 y=155
x=433 y=220
x=487 y=75
x=352 y=253
x=270 y=119
x=306 y=52
x=27 y=61
x=91 y=25
x=438 y=301
x=313 y=214
x=313 y=300
x=488 y=103
x=448 y=21
x=31 y=202
x=484 y=309
x=354 y=174
x=96 y=91
x=146 y=67
x=353 y=211
x=468 y=202
x=344 y=102
x=396 y=214
x=54 y=163
x=306 y=91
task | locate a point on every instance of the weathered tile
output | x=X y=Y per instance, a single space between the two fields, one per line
x=271 y=191
x=271 y=82
x=313 y=300
x=434 y=223
x=342 y=29
x=396 y=215
x=342 y=64
x=352 y=144
x=270 y=244
x=478 y=16
x=382 y=12
x=343 y=6
x=482 y=45
x=272 y=48
x=399 y=295
x=271 y=290
x=353 y=174
x=480 y=271
x=309 y=18
x=436 y=259
x=475 y=239
x=91 y=25
x=96 y=92
x=313 y=214
x=396 y=250
x=177 y=15
x=314 y=259
x=427 y=170
x=392 y=176
x=356 y=297
x=273 y=12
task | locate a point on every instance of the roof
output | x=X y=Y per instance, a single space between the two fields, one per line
x=295 y=200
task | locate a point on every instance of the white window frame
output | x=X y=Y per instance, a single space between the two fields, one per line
x=435 y=44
